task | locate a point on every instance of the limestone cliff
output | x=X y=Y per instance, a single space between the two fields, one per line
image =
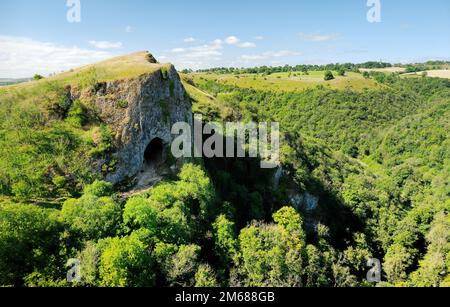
x=138 y=110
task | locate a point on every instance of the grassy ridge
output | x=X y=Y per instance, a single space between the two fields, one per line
x=47 y=141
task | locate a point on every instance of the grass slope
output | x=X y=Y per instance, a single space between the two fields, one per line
x=47 y=141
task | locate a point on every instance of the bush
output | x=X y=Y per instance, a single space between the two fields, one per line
x=99 y=189
x=105 y=143
x=122 y=104
x=77 y=114
x=328 y=76
x=37 y=77
x=59 y=181
x=22 y=189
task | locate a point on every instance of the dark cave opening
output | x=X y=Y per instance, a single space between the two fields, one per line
x=154 y=152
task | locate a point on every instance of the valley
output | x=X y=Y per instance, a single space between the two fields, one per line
x=86 y=166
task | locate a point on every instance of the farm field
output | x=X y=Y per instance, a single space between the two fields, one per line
x=438 y=73
x=385 y=70
x=290 y=82
x=441 y=73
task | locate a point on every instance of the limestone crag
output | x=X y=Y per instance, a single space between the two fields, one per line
x=138 y=111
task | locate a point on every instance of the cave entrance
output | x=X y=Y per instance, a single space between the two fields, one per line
x=153 y=154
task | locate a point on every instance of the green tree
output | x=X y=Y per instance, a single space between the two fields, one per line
x=271 y=255
x=205 y=277
x=89 y=261
x=433 y=268
x=29 y=243
x=92 y=217
x=139 y=213
x=317 y=268
x=125 y=262
x=178 y=264
x=225 y=239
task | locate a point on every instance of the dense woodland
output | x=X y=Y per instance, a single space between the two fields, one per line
x=377 y=160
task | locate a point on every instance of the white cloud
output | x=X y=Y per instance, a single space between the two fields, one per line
x=178 y=50
x=212 y=49
x=285 y=53
x=253 y=57
x=246 y=45
x=24 y=57
x=199 y=56
x=232 y=40
x=106 y=45
x=129 y=29
x=189 y=40
x=317 y=37
x=269 y=55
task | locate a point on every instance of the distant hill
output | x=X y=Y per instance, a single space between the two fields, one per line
x=10 y=81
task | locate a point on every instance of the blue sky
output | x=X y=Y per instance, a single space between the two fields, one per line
x=36 y=37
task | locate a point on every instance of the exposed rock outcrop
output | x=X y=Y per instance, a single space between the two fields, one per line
x=138 y=110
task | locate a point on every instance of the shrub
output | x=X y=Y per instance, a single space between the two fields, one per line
x=99 y=189
x=22 y=189
x=106 y=142
x=37 y=77
x=59 y=181
x=77 y=114
x=122 y=104
x=328 y=76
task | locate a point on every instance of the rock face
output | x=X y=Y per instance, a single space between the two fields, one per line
x=138 y=111
x=305 y=201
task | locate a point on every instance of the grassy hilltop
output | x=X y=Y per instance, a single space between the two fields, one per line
x=47 y=140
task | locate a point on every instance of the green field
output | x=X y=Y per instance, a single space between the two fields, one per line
x=290 y=82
